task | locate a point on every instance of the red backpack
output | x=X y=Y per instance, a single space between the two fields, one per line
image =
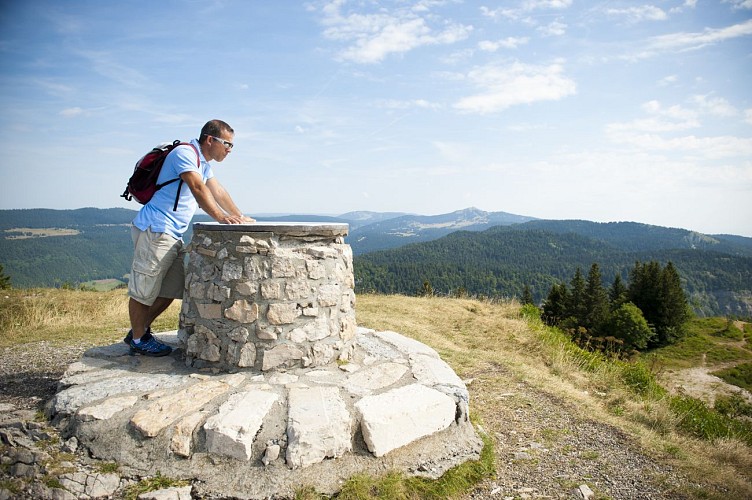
x=143 y=183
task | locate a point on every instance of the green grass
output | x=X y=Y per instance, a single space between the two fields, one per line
x=702 y=422
x=739 y=375
x=397 y=486
x=155 y=483
x=715 y=340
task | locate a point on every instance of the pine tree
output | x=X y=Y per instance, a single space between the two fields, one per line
x=577 y=306
x=555 y=305
x=674 y=310
x=4 y=279
x=596 y=301
x=660 y=297
x=527 y=296
x=617 y=294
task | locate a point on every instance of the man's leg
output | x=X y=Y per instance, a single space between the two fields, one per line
x=158 y=307
x=139 y=315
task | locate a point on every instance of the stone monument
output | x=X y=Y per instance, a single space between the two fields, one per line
x=272 y=386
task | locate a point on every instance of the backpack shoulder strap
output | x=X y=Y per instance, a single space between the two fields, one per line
x=198 y=166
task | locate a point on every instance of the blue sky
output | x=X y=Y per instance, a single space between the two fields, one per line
x=559 y=109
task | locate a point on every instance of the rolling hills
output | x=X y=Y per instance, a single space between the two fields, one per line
x=482 y=253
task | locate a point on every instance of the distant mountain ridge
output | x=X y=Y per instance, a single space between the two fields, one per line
x=398 y=231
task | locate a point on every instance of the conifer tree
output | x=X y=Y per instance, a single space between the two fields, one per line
x=577 y=306
x=527 y=296
x=596 y=301
x=617 y=294
x=555 y=305
x=674 y=308
x=658 y=294
x=4 y=279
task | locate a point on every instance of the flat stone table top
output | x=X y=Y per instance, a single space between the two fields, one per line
x=287 y=228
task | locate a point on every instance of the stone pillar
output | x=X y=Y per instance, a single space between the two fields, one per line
x=268 y=295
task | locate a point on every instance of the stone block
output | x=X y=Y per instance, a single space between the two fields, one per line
x=281 y=355
x=400 y=416
x=329 y=294
x=406 y=345
x=107 y=408
x=182 y=436
x=232 y=271
x=209 y=311
x=167 y=409
x=375 y=378
x=232 y=430
x=242 y=311
x=282 y=314
x=318 y=427
x=271 y=290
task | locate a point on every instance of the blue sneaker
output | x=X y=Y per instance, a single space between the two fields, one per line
x=144 y=338
x=151 y=347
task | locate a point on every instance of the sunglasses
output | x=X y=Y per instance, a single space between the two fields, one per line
x=226 y=144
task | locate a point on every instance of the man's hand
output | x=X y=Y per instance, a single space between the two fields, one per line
x=236 y=219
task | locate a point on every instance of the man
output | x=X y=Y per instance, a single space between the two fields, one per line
x=157 y=274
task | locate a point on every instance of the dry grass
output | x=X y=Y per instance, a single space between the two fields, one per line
x=58 y=316
x=472 y=335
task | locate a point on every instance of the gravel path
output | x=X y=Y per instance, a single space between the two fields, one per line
x=542 y=449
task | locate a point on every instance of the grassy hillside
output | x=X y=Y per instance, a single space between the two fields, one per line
x=524 y=379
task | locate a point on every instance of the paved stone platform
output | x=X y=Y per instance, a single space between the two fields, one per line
x=395 y=405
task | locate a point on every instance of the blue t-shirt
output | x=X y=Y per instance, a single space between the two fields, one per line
x=158 y=213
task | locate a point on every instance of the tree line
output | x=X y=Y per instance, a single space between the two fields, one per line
x=647 y=312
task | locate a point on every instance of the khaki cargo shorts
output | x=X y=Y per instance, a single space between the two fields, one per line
x=157 y=269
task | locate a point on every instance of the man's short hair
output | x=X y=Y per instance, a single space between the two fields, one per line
x=214 y=128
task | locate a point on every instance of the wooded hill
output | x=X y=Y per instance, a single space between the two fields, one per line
x=716 y=270
x=500 y=261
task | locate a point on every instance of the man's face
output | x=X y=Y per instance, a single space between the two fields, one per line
x=218 y=149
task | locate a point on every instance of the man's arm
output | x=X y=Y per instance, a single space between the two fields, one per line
x=208 y=203
x=224 y=199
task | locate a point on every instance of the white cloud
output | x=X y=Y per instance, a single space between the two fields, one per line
x=372 y=37
x=748 y=115
x=739 y=4
x=70 y=112
x=507 y=43
x=415 y=103
x=639 y=14
x=668 y=80
x=660 y=119
x=525 y=8
x=553 y=29
x=716 y=106
x=503 y=86
x=691 y=41
x=651 y=133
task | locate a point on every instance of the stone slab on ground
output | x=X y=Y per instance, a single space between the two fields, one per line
x=394 y=405
x=401 y=416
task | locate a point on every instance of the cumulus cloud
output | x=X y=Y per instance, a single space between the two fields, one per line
x=639 y=13
x=371 y=37
x=502 y=86
x=507 y=43
x=553 y=29
x=658 y=131
x=716 y=106
x=525 y=8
